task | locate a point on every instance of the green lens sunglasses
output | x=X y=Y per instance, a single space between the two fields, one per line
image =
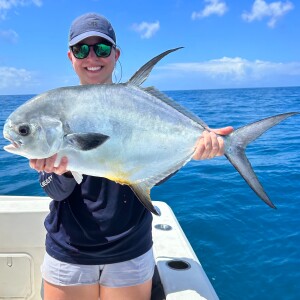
x=81 y=51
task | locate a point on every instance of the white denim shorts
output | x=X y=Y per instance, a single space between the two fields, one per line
x=128 y=273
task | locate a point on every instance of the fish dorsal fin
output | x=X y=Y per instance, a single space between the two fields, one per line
x=142 y=74
x=156 y=93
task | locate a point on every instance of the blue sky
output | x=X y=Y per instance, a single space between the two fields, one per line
x=227 y=44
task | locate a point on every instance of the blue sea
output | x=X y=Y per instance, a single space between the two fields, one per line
x=248 y=250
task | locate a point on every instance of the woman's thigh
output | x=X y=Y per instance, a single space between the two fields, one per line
x=92 y=292
x=137 y=292
x=57 y=292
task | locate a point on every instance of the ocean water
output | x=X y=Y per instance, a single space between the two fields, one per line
x=248 y=250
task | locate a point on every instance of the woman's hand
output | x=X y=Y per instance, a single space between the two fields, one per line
x=47 y=165
x=210 y=144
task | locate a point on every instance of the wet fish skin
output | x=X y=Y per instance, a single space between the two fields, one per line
x=129 y=134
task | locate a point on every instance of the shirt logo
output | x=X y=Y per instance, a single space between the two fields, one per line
x=46 y=181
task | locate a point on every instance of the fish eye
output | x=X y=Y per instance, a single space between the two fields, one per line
x=24 y=130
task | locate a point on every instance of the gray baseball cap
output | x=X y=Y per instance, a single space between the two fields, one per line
x=91 y=24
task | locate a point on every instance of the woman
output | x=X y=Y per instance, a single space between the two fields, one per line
x=99 y=239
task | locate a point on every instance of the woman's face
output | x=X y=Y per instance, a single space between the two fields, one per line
x=93 y=69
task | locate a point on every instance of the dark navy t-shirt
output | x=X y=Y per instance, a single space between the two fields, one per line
x=96 y=222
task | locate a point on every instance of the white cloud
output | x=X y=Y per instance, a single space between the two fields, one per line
x=274 y=11
x=9 y=35
x=214 y=7
x=147 y=30
x=6 y=5
x=236 y=71
x=12 y=77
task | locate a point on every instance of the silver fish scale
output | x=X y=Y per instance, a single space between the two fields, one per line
x=147 y=136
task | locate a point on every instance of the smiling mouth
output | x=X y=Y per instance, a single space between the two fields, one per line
x=93 y=69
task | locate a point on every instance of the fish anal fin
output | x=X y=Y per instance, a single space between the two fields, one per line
x=86 y=141
x=142 y=192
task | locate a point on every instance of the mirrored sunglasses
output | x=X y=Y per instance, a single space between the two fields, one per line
x=81 y=51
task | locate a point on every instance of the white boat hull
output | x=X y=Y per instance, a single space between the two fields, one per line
x=22 y=238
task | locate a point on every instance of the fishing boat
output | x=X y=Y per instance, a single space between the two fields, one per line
x=178 y=273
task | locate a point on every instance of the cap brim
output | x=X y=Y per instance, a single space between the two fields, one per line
x=85 y=35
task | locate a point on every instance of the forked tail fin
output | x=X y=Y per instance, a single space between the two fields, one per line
x=236 y=143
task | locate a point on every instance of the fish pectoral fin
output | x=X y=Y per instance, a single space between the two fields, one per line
x=142 y=192
x=77 y=176
x=86 y=141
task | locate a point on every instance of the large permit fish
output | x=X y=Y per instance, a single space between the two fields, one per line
x=129 y=134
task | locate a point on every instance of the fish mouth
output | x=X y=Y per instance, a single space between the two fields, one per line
x=14 y=148
x=14 y=144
